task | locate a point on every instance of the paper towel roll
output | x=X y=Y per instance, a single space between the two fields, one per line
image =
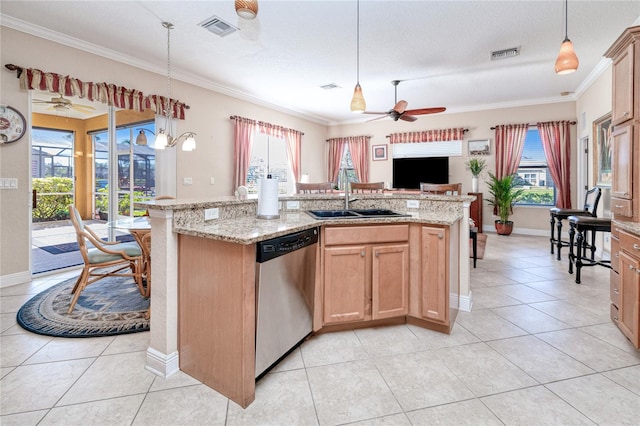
x=268 y=199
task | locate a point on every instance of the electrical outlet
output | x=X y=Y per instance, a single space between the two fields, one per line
x=212 y=181
x=211 y=214
x=413 y=204
x=187 y=181
x=293 y=205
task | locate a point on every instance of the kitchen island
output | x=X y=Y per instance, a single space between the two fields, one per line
x=204 y=315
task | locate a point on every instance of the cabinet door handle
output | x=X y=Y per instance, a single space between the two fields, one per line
x=636 y=247
x=362 y=253
x=615 y=319
x=619 y=206
x=625 y=113
x=631 y=267
x=615 y=290
x=377 y=254
x=441 y=236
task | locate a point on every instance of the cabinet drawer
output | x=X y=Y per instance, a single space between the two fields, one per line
x=614 y=314
x=614 y=291
x=621 y=207
x=341 y=235
x=615 y=248
x=630 y=243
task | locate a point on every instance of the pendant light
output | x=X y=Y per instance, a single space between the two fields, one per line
x=567 y=61
x=357 y=102
x=247 y=9
x=163 y=137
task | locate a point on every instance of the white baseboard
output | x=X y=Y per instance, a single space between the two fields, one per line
x=465 y=303
x=161 y=364
x=13 y=279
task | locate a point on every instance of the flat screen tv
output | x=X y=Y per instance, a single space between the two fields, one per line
x=409 y=172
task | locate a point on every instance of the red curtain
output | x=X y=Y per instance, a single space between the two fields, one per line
x=336 y=148
x=359 y=149
x=243 y=131
x=293 y=140
x=110 y=94
x=556 y=141
x=442 y=135
x=509 y=145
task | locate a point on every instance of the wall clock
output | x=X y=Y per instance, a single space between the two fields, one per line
x=12 y=124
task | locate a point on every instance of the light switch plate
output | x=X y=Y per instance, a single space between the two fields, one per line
x=413 y=204
x=211 y=214
x=187 y=181
x=293 y=205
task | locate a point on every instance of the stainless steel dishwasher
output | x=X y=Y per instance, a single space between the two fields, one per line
x=285 y=282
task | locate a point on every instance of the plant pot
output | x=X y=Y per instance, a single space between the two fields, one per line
x=474 y=184
x=504 y=228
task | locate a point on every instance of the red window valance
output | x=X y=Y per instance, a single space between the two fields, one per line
x=441 y=135
x=110 y=94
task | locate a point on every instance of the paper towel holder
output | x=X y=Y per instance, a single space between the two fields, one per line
x=269 y=214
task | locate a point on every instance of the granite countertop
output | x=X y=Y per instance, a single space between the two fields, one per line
x=250 y=230
x=633 y=227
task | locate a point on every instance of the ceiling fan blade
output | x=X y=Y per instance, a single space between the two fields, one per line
x=373 y=112
x=406 y=117
x=423 y=111
x=86 y=108
x=41 y=101
x=377 y=118
x=400 y=106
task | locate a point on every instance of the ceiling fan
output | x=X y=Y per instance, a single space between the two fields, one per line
x=62 y=104
x=400 y=111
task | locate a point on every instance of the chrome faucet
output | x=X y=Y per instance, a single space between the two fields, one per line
x=347 y=199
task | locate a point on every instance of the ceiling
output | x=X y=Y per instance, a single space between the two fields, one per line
x=439 y=49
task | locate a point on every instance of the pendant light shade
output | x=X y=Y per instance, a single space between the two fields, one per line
x=247 y=9
x=141 y=139
x=358 y=104
x=567 y=61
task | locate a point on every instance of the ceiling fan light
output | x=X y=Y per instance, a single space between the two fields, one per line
x=567 y=61
x=247 y=9
x=357 y=102
x=161 y=140
x=141 y=139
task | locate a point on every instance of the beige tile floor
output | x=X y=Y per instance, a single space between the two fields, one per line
x=537 y=349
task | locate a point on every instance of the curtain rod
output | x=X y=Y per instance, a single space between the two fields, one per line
x=344 y=137
x=233 y=117
x=536 y=124
x=418 y=131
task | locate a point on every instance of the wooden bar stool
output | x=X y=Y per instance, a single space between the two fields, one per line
x=557 y=215
x=582 y=225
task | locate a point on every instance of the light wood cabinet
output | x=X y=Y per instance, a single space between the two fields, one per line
x=625 y=187
x=365 y=273
x=434 y=277
x=629 y=287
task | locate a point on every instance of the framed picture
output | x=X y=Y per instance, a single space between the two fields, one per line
x=379 y=152
x=602 y=150
x=480 y=147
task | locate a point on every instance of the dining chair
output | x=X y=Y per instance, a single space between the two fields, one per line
x=441 y=188
x=103 y=259
x=308 y=188
x=362 y=187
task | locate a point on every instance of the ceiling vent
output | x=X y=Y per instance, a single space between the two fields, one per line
x=330 y=86
x=217 y=26
x=505 y=53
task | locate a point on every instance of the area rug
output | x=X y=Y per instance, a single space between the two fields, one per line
x=69 y=247
x=482 y=242
x=107 y=307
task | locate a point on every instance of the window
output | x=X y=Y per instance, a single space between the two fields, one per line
x=269 y=155
x=346 y=166
x=533 y=173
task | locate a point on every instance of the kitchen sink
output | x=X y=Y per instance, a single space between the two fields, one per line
x=353 y=213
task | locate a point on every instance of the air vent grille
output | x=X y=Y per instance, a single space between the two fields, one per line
x=218 y=26
x=330 y=86
x=505 y=53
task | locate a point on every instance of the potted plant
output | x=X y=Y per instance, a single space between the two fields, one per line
x=475 y=166
x=503 y=194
